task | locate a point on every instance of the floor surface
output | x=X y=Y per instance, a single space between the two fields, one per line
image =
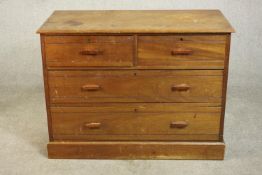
x=23 y=133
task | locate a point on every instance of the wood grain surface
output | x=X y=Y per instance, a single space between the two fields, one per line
x=76 y=121
x=137 y=150
x=182 y=51
x=89 y=51
x=135 y=86
x=136 y=21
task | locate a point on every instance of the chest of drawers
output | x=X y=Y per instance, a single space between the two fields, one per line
x=136 y=84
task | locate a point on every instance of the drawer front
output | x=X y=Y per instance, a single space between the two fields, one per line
x=82 y=123
x=182 y=51
x=135 y=86
x=81 y=51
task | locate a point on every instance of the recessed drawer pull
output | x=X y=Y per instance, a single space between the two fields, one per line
x=91 y=52
x=180 y=87
x=178 y=124
x=91 y=87
x=92 y=125
x=181 y=51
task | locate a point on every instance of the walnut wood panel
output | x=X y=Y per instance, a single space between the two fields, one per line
x=132 y=123
x=182 y=51
x=46 y=87
x=96 y=51
x=104 y=108
x=225 y=75
x=136 y=21
x=137 y=107
x=136 y=150
x=87 y=39
x=135 y=86
x=119 y=137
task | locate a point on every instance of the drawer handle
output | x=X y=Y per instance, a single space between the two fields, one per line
x=180 y=87
x=92 y=125
x=91 y=87
x=91 y=52
x=181 y=51
x=179 y=124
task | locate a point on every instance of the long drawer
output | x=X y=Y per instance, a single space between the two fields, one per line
x=136 y=122
x=135 y=86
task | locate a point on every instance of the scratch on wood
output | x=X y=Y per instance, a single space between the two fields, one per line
x=73 y=23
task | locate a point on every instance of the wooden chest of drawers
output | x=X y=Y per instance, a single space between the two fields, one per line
x=136 y=84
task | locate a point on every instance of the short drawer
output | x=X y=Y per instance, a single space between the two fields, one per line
x=164 y=122
x=81 y=51
x=135 y=86
x=182 y=51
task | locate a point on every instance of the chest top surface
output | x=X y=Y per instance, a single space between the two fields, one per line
x=136 y=21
